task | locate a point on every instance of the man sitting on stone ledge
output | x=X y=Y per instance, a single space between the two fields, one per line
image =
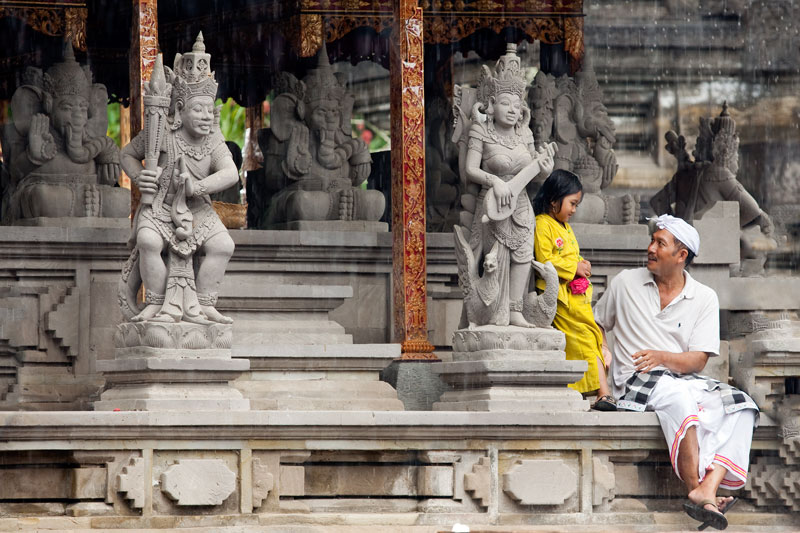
x=666 y=326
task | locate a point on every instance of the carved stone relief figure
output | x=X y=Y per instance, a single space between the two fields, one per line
x=442 y=183
x=312 y=163
x=571 y=113
x=60 y=163
x=497 y=160
x=175 y=219
x=711 y=177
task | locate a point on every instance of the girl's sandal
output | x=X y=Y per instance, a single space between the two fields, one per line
x=605 y=403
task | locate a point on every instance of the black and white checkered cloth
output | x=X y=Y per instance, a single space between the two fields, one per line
x=640 y=385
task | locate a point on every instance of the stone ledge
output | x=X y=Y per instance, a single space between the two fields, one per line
x=26 y=430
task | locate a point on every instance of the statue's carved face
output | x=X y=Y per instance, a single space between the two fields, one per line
x=198 y=116
x=325 y=115
x=507 y=109
x=70 y=111
x=542 y=123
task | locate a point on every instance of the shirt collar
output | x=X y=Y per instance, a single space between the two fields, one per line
x=689 y=287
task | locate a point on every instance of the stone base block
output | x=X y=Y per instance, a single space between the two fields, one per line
x=342 y=377
x=333 y=225
x=510 y=369
x=320 y=395
x=417 y=385
x=172 y=367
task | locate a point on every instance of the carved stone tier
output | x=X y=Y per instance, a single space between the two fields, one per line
x=301 y=359
x=510 y=369
x=76 y=222
x=332 y=225
x=172 y=367
x=311 y=377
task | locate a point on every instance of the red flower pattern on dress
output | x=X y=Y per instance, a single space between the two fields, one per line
x=559 y=242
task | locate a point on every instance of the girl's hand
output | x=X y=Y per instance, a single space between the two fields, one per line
x=584 y=269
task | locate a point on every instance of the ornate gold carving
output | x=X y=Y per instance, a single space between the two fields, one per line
x=49 y=21
x=309 y=33
x=337 y=27
x=573 y=40
x=447 y=29
x=54 y=21
x=75 y=26
x=408 y=183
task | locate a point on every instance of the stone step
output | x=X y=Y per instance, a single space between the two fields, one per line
x=327 y=350
x=312 y=388
x=267 y=339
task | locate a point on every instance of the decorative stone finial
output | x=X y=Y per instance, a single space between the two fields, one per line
x=199 y=44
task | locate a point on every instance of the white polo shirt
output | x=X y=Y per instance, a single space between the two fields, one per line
x=631 y=309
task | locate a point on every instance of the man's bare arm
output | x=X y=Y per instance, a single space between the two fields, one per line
x=683 y=362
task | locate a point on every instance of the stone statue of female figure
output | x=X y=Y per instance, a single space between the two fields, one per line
x=498 y=153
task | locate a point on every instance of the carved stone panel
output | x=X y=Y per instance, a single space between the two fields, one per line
x=198 y=482
x=540 y=482
x=130 y=482
x=263 y=482
x=478 y=482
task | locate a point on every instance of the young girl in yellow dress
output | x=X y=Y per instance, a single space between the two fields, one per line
x=555 y=203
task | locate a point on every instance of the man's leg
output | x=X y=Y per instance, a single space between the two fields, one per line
x=688 y=459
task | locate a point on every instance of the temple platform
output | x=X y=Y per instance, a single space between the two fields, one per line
x=338 y=471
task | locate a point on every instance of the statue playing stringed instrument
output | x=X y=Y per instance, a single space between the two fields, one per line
x=500 y=157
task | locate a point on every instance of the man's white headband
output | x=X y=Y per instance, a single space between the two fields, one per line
x=681 y=230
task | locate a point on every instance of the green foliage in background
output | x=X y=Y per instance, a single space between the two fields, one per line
x=113 y=122
x=232 y=121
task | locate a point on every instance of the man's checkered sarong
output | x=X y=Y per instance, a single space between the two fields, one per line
x=640 y=385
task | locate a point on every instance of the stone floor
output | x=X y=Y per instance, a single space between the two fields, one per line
x=655 y=523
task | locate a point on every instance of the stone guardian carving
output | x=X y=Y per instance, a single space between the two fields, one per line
x=709 y=178
x=571 y=113
x=173 y=352
x=313 y=164
x=188 y=160
x=60 y=162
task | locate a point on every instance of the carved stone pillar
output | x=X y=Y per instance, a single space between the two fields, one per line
x=408 y=182
x=144 y=49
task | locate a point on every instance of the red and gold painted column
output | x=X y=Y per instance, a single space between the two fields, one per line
x=144 y=49
x=408 y=182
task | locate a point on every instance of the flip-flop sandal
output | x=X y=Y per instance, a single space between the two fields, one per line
x=731 y=503
x=699 y=512
x=605 y=403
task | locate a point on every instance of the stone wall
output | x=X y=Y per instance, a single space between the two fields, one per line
x=378 y=471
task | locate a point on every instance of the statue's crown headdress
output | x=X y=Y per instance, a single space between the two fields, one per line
x=193 y=76
x=543 y=90
x=724 y=122
x=67 y=77
x=321 y=82
x=507 y=78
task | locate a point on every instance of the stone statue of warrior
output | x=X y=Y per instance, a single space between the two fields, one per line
x=177 y=220
x=60 y=161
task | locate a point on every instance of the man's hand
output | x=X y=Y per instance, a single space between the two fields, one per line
x=647 y=360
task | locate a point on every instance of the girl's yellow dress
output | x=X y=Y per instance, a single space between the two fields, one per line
x=557 y=244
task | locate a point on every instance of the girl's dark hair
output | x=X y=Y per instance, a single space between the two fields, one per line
x=559 y=184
